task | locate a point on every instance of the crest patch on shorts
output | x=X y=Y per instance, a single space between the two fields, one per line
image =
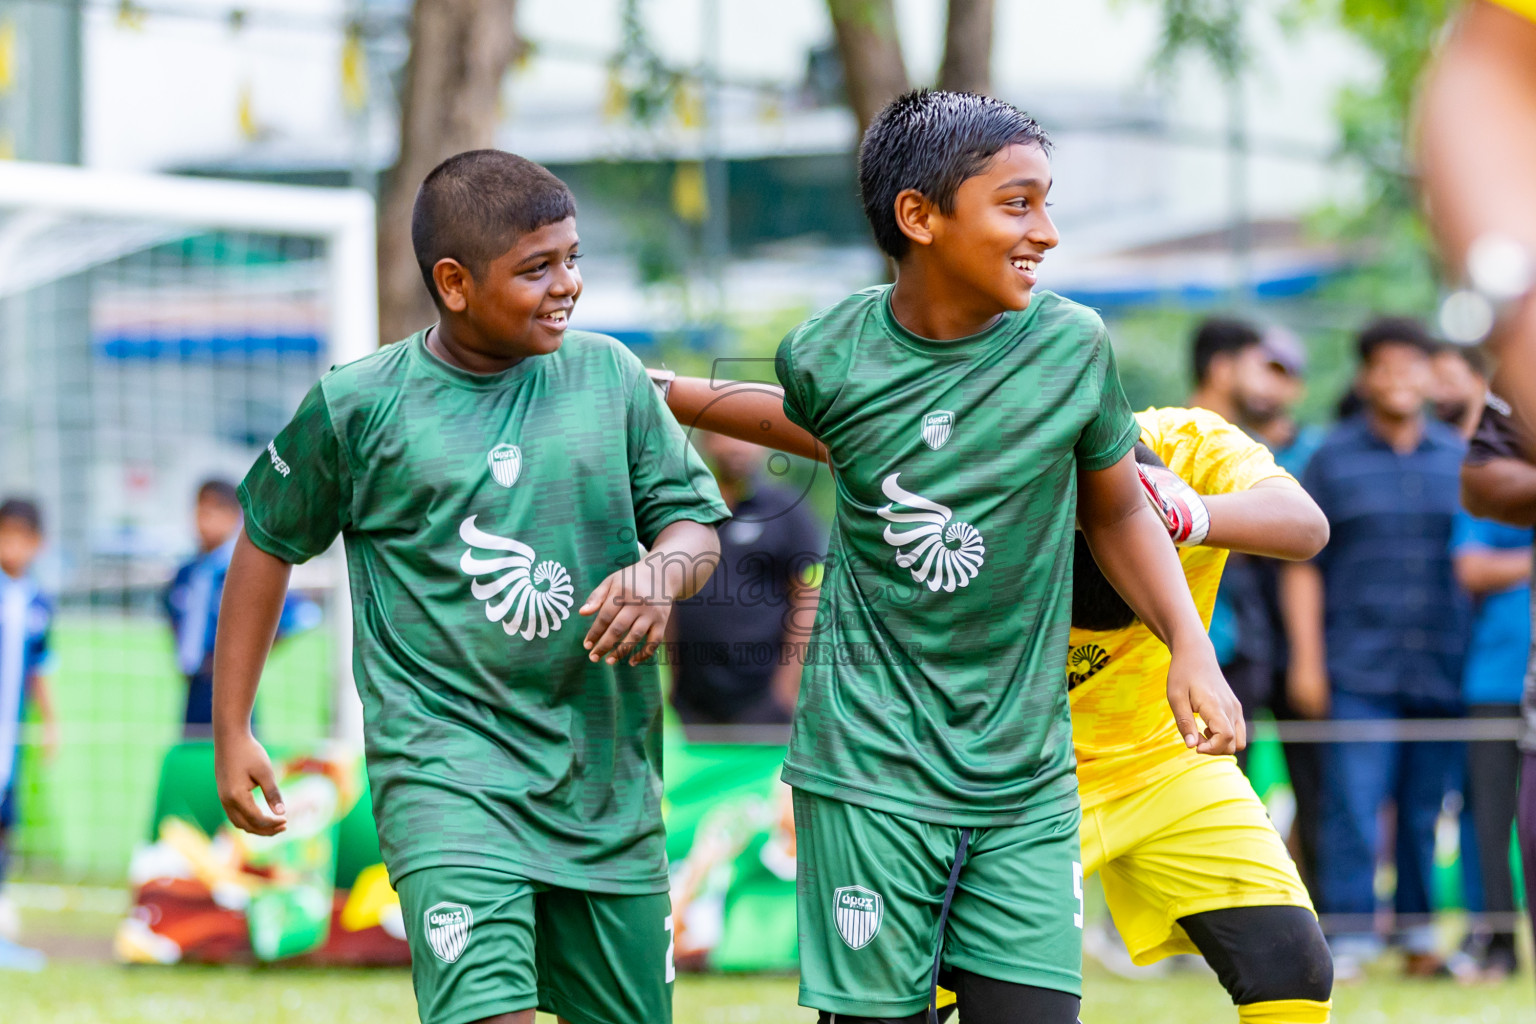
x=858 y=912
x=448 y=928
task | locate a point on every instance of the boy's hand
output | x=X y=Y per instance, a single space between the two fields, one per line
x=50 y=741
x=631 y=608
x=1197 y=687
x=241 y=765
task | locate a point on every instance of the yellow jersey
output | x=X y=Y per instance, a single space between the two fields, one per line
x=1524 y=8
x=1122 y=729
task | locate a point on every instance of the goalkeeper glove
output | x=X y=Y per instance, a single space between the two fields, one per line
x=1182 y=510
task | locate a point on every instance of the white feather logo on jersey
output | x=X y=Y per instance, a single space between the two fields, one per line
x=946 y=553
x=538 y=597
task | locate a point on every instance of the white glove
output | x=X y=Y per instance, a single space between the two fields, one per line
x=1181 y=508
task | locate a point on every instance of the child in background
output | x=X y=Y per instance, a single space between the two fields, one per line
x=25 y=617
x=192 y=601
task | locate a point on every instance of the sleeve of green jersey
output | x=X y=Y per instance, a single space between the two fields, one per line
x=668 y=480
x=298 y=495
x=1114 y=430
x=784 y=369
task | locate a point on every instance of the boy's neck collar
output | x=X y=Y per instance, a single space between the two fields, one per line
x=912 y=307
x=454 y=355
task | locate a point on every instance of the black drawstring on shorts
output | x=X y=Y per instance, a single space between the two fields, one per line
x=949 y=897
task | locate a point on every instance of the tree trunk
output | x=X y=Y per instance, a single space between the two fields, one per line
x=967 y=63
x=873 y=70
x=450 y=102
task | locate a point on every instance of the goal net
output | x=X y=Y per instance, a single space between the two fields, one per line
x=156 y=332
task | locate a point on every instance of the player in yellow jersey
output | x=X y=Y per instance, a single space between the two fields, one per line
x=1189 y=859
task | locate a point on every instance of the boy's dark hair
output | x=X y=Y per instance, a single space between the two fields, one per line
x=23 y=511
x=1096 y=604
x=1394 y=330
x=1221 y=335
x=474 y=206
x=219 y=490
x=932 y=141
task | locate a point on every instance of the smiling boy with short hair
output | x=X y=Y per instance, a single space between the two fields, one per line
x=969 y=421
x=484 y=473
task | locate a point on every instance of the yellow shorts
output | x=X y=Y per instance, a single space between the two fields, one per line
x=1196 y=841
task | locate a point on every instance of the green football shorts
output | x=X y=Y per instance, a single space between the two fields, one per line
x=485 y=942
x=871 y=886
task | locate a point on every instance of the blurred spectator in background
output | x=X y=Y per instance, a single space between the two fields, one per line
x=1379 y=632
x=1497 y=483
x=1459 y=385
x=1493 y=564
x=25 y=617
x=737 y=646
x=192 y=601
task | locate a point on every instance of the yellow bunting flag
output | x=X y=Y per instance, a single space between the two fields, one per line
x=690 y=196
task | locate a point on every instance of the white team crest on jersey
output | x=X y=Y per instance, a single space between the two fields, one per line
x=937 y=427
x=945 y=554
x=858 y=912
x=448 y=928
x=506 y=462
x=538 y=597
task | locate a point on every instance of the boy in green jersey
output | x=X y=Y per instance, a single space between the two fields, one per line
x=485 y=474
x=968 y=422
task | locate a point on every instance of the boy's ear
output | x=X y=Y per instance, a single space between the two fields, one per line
x=914 y=216
x=453 y=281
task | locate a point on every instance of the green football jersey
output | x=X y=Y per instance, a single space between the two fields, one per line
x=478 y=513
x=936 y=684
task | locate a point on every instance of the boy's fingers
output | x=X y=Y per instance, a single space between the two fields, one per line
x=618 y=628
x=1221 y=735
x=601 y=624
x=264 y=778
x=628 y=643
x=244 y=815
x=654 y=636
x=595 y=599
x=1184 y=715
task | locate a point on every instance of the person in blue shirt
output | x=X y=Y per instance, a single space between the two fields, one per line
x=1493 y=564
x=192 y=601
x=1379 y=631
x=25 y=617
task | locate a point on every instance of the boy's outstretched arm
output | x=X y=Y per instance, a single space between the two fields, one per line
x=1130 y=543
x=1275 y=518
x=745 y=410
x=254 y=589
x=631 y=606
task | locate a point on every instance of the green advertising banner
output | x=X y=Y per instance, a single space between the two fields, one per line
x=731 y=844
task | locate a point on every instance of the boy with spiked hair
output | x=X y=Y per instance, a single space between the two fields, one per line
x=969 y=420
x=485 y=473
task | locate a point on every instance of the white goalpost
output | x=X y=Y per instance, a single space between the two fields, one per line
x=156 y=331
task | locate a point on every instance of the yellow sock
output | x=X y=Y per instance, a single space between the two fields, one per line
x=1285 y=1011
